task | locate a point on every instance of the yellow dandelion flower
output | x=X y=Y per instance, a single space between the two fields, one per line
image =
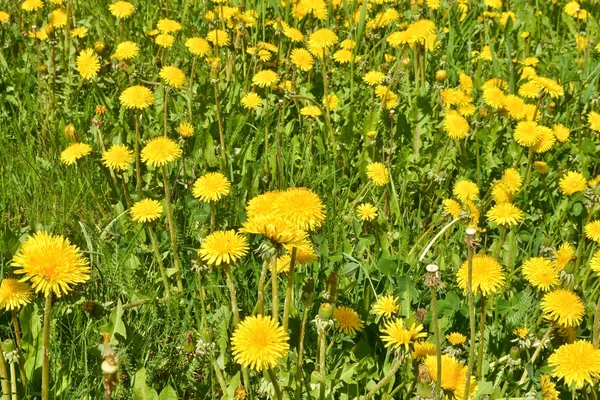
x=546 y=140
x=396 y=335
x=185 y=130
x=347 y=320
x=211 y=187
x=172 y=76
x=549 y=391
x=302 y=59
x=494 y=97
x=301 y=207
x=592 y=231
x=262 y=204
x=117 y=158
x=223 y=247
x=572 y=182
x=452 y=207
x=311 y=111
x=576 y=363
x=514 y=105
x=511 y=180
x=564 y=255
x=530 y=90
x=540 y=273
x=138 y=97
x=51 y=263
x=366 y=211
x=386 y=306
x=487 y=275
x=456 y=126
x=165 y=40
x=456 y=339
x=594 y=120
x=251 y=101
x=422 y=350
x=265 y=78
x=258 y=343
x=146 y=210
x=505 y=214
x=121 y=9
x=74 y=152
x=454 y=376
x=564 y=307
x=14 y=294
x=166 y=25
x=321 y=40
x=295 y=35
x=126 y=51
x=4 y=17
x=465 y=190
x=88 y=64
x=58 y=18
x=331 y=102
x=561 y=132
x=32 y=5
x=521 y=332
x=541 y=167
x=527 y=134
x=218 y=37
x=595 y=262
x=275 y=228
x=160 y=151
x=373 y=78
x=550 y=87
x=79 y=32
x=378 y=173
x=198 y=46
x=342 y=56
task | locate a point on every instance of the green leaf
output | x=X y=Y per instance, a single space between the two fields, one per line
x=141 y=391
x=168 y=393
x=115 y=324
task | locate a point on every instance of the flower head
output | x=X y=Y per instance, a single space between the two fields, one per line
x=378 y=173
x=117 y=158
x=121 y=9
x=165 y=40
x=138 y=97
x=572 y=182
x=564 y=307
x=251 y=100
x=561 y=132
x=540 y=273
x=594 y=117
x=166 y=25
x=211 y=187
x=347 y=320
x=302 y=207
x=466 y=190
x=527 y=133
x=265 y=78
x=14 y=294
x=51 y=263
x=456 y=339
x=185 y=130
x=454 y=376
x=321 y=39
x=311 y=111
x=302 y=59
x=487 y=275
x=397 y=335
x=506 y=214
x=452 y=207
x=32 y=5
x=576 y=363
x=549 y=391
x=218 y=37
x=126 y=51
x=455 y=125
x=262 y=204
x=198 y=46
x=160 y=151
x=146 y=210
x=258 y=342
x=172 y=76
x=592 y=231
x=386 y=306
x=373 y=78
x=422 y=350
x=366 y=211
x=88 y=64
x=223 y=247
x=275 y=228
x=564 y=255
x=74 y=152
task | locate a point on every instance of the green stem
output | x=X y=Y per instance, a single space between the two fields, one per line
x=191 y=93
x=171 y=220
x=301 y=351
x=596 y=329
x=322 y=354
x=438 y=342
x=4 y=377
x=471 y=318
x=166 y=110
x=289 y=290
x=221 y=133
x=536 y=353
x=46 y=349
x=278 y=394
x=19 y=351
x=213 y=212
x=260 y=302
x=13 y=380
x=274 y=289
x=232 y=293
x=481 y=339
x=138 y=164
x=219 y=374
x=395 y=365
x=161 y=267
x=126 y=191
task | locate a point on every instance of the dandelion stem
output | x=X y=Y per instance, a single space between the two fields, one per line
x=161 y=267
x=126 y=191
x=537 y=352
x=289 y=290
x=470 y=296
x=166 y=110
x=274 y=289
x=393 y=369
x=213 y=212
x=221 y=133
x=219 y=374
x=273 y=376
x=301 y=350
x=191 y=86
x=232 y=293
x=438 y=341
x=260 y=303
x=19 y=350
x=481 y=339
x=46 y=349
x=91 y=187
x=4 y=377
x=322 y=355
x=174 y=248
x=138 y=167
x=596 y=328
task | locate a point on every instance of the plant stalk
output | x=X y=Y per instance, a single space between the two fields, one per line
x=46 y=349
x=289 y=290
x=161 y=267
x=171 y=220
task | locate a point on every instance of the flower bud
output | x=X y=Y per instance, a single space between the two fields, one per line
x=325 y=311
x=440 y=75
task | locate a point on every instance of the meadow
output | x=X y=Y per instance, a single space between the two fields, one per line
x=299 y=199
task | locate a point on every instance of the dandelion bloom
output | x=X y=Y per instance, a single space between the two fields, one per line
x=331 y=101
x=262 y=204
x=546 y=140
x=576 y=363
x=302 y=59
x=302 y=207
x=218 y=37
x=594 y=119
x=211 y=187
x=166 y=25
x=79 y=32
x=258 y=343
x=396 y=335
x=121 y=9
x=342 y=56
x=165 y=40
x=126 y=51
x=561 y=132
x=456 y=339
x=373 y=78
x=527 y=133
x=58 y=18
x=311 y=111
x=32 y=5
x=275 y=228
x=265 y=78
x=366 y=211
x=74 y=152
x=487 y=275
x=138 y=97
x=321 y=39
x=386 y=306
x=592 y=230
x=4 y=17
x=549 y=391
x=223 y=247
x=564 y=255
x=14 y=294
x=117 y=158
x=295 y=35
x=564 y=307
x=422 y=350
x=454 y=376
x=88 y=64
x=304 y=255
x=572 y=182
x=505 y=214
x=347 y=320
x=595 y=262
x=160 y=151
x=494 y=97
x=146 y=210
x=540 y=273
x=185 y=130
x=550 y=87
x=251 y=101
x=172 y=76
x=529 y=90
x=541 y=167
x=51 y=263
x=198 y=46
x=452 y=207
x=378 y=173
x=455 y=125
x=514 y=105
x=466 y=190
